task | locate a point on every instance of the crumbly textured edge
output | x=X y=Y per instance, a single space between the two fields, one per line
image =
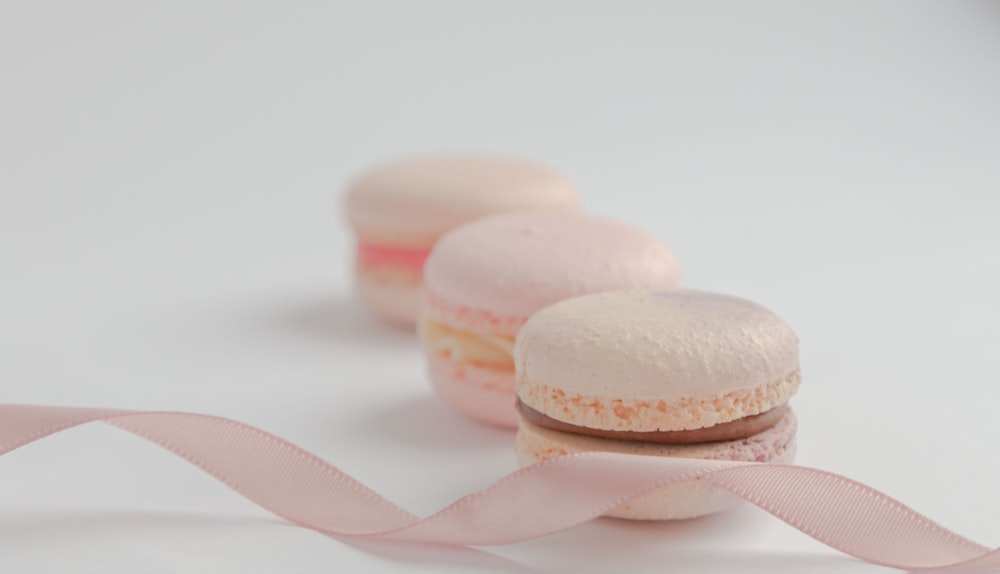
x=472 y=321
x=653 y=414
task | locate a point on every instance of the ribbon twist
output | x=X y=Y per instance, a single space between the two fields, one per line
x=303 y=489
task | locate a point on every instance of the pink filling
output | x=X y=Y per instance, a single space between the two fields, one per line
x=384 y=255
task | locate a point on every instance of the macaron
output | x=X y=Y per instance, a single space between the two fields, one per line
x=659 y=373
x=399 y=210
x=483 y=280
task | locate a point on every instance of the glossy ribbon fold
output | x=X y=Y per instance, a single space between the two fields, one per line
x=305 y=490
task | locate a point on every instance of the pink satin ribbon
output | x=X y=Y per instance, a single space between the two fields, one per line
x=535 y=501
x=392 y=256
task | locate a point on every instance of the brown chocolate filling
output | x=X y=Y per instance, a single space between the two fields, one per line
x=732 y=430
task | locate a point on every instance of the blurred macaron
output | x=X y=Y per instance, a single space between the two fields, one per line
x=399 y=210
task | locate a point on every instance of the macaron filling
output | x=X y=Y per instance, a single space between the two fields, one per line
x=465 y=348
x=732 y=430
x=391 y=256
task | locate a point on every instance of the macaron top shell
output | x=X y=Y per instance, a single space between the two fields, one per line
x=516 y=264
x=646 y=360
x=416 y=200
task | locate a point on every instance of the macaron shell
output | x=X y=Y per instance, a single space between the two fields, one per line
x=393 y=296
x=485 y=394
x=510 y=266
x=667 y=360
x=679 y=501
x=470 y=320
x=416 y=200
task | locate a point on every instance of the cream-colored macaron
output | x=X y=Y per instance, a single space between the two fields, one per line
x=398 y=210
x=664 y=373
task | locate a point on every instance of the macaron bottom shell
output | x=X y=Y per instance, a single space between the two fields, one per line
x=483 y=393
x=680 y=501
x=391 y=294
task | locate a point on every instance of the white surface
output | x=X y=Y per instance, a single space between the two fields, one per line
x=171 y=238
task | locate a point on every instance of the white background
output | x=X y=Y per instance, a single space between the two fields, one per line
x=171 y=237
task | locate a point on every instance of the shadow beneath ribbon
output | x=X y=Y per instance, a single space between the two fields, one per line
x=169 y=531
x=706 y=545
x=52 y=527
x=718 y=561
x=714 y=544
x=462 y=558
x=710 y=544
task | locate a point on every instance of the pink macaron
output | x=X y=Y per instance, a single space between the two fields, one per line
x=483 y=280
x=659 y=373
x=400 y=209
